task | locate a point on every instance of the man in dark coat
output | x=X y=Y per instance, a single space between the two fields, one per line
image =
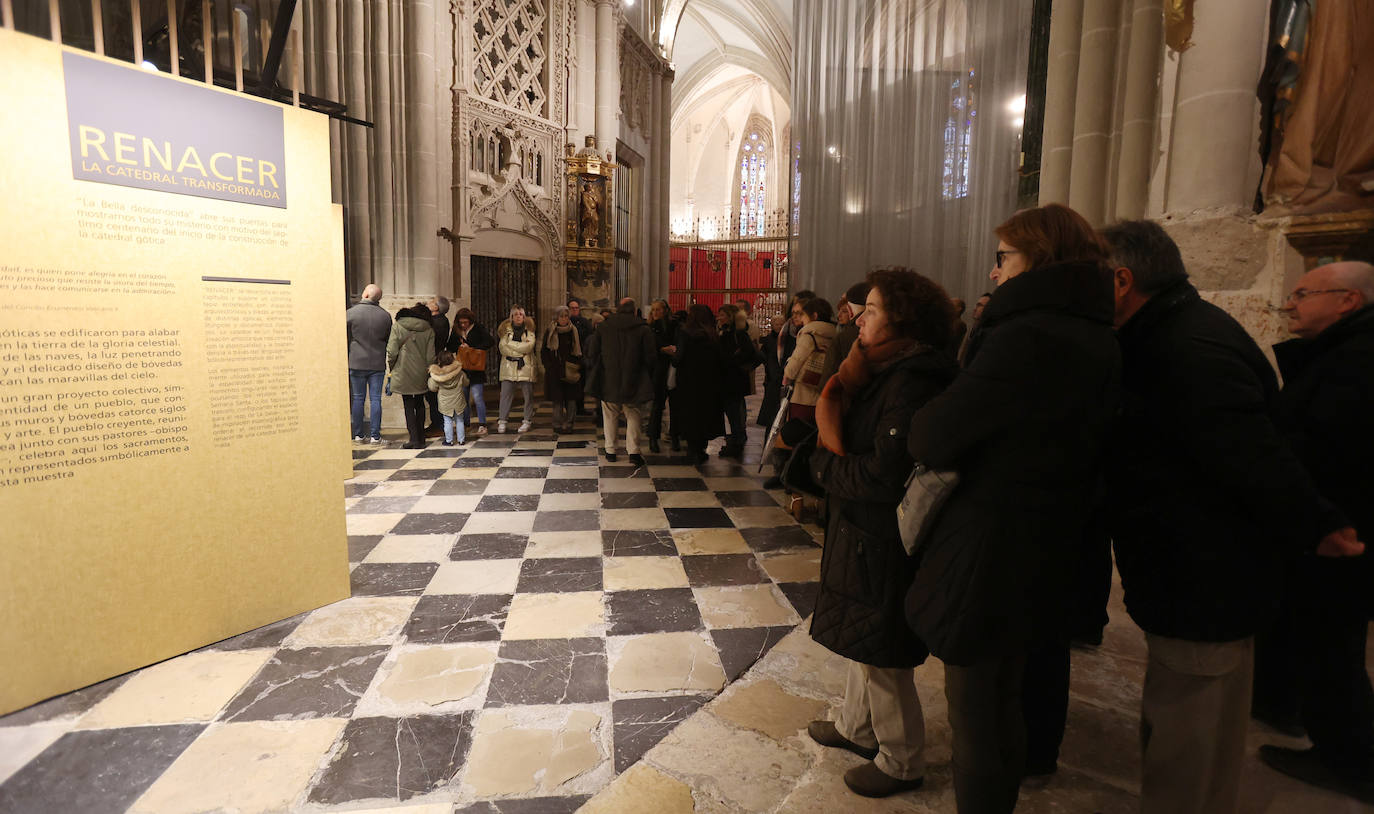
x=438 y=310
x=584 y=333
x=777 y=347
x=623 y=352
x=369 y=327
x=1327 y=399
x=1203 y=496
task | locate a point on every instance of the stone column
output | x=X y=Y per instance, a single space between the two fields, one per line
x=1061 y=92
x=420 y=151
x=654 y=241
x=1092 y=117
x=1215 y=112
x=357 y=150
x=1139 y=124
x=607 y=77
x=665 y=173
x=583 y=88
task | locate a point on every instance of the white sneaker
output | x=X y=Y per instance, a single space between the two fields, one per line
x=358 y=439
x=501 y=427
x=524 y=426
x=376 y=439
x=480 y=431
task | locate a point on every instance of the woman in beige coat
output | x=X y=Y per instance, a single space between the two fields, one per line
x=803 y=370
x=516 y=340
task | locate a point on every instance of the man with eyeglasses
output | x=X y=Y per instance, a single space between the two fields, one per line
x=1205 y=500
x=1326 y=402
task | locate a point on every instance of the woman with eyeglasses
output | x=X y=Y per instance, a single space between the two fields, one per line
x=1025 y=425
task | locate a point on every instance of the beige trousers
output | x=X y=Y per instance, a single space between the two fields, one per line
x=881 y=708
x=634 y=425
x=1194 y=715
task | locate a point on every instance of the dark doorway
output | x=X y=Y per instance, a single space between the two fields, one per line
x=498 y=284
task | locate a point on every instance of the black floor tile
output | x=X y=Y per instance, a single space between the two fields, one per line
x=449 y=618
x=392 y=578
x=640 y=723
x=489 y=547
x=417 y=474
x=549 y=671
x=766 y=539
x=442 y=452
x=722 y=569
x=358 y=489
x=379 y=463
x=569 y=520
x=383 y=505
x=629 y=500
x=360 y=545
x=96 y=771
x=459 y=486
x=316 y=682
x=473 y=461
x=528 y=805
x=659 y=611
x=395 y=758
x=559 y=575
x=698 y=519
x=263 y=637
x=420 y=523
x=522 y=471
x=802 y=595
x=570 y=486
x=679 y=485
x=740 y=647
x=508 y=503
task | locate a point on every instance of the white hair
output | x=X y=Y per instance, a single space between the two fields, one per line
x=1357 y=276
x=516 y=309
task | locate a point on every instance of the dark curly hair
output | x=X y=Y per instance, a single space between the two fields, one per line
x=917 y=306
x=819 y=309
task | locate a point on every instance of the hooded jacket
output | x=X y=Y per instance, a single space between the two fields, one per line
x=451 y=384
x=410 y=350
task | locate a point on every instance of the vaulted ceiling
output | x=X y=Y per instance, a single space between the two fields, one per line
x=705 y=39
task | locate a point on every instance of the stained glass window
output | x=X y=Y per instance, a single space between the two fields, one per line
x=753 y=186
x=958 y=138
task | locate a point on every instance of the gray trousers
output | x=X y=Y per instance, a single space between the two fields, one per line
x=1193 y=719
x=508 y=397
x=881 y=709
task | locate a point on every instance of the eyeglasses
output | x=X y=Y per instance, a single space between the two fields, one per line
x=1300 y=294
x=1002 y=255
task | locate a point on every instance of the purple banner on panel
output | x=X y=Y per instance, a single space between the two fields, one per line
x=139 y=129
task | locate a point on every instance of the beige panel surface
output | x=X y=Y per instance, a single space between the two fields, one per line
x=111 y=565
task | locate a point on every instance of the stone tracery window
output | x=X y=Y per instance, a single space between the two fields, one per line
x=753 y=182
x=958 y=138
x=512 y=56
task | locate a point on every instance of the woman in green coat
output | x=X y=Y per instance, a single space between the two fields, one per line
x=409 y=352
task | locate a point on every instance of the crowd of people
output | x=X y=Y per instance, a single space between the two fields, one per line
x=1096 y=404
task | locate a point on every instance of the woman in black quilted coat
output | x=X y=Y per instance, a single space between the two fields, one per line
x=898 y=364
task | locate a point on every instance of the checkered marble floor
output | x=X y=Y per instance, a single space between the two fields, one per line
x=527 y=620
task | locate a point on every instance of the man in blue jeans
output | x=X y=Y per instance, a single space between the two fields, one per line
x=369 y=325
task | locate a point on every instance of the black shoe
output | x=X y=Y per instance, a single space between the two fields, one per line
x=731 y=451
x=412 y=445
x=448 y=443
x=1285 y=723
x=774 y=482
x=636 y=459
x=870 y=781
x=653 y=446
x=825 y=733
x=1304 y=765
x=676 y=445
x=610 y=456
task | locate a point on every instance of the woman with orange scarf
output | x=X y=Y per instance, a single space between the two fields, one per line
x=899 y=362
